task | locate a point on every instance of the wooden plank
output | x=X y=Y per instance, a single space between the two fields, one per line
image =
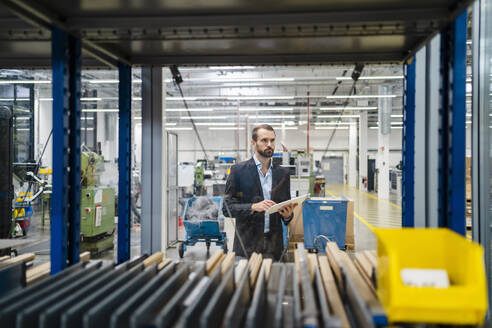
x=4 y=258
x=364 y=276
x=240 y=270
x=38 y=273
x=335 y=262
x=154 y=258
x=85 y=256
x=228 y=262
x=331 y=291
x=211 y=262
x=312 y=263
x=364 y=263
x=21 y=258
x=163 y=264
x=267 y=263
x=365 y=292
x=217 y=264
x=255 y=268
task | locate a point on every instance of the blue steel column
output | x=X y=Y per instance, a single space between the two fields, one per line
x=124 y=162
x=457 y=174
x=408 y=147
x=65 y=208
x=452 y=133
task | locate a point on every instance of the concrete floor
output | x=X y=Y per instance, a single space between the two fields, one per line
x=369 y=212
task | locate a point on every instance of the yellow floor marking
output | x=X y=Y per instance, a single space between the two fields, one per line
x=361 y=219
x=468 y=236
x=376 y=197
x=330 y=193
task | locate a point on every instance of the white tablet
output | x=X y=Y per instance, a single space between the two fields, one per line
x=275 y=208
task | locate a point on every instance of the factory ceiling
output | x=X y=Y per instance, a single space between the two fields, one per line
x=240 y=32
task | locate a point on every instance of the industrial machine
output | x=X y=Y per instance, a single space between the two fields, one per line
x=198 y=187
x=97 y=206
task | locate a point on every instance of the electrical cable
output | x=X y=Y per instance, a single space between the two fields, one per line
x=235 y=229
x=177 y=79
x=355 y=77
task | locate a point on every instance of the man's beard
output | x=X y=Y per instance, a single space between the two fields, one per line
x=266 y=153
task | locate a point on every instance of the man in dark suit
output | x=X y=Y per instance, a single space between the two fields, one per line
x=252 y=187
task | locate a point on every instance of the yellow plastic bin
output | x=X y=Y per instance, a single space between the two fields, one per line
x=463 y=302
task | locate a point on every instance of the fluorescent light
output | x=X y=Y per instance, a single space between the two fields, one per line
x=183 y=98
x=12 y=99
x=265 y=108
x=87 y=129
x=25 y=81
x=393 y=127
x=261 y=98
x=91 y=99
x=267 y=123
x=22 y=129
x=350 y=108
x=242 y=84
x=289 y=127
x=383 y=77
x=276 y=79
x=359 y=96
x=334 y=123
x=22 y=118
x=87 y=118
x=206 y=109
x=331 y=128
x=100 y=110
x=341 y=116
x=225 y=128
x=203 y=117
x=397 y=115
x=231 y=67
x=271 y=116
x=178 y=129
x=214 y=123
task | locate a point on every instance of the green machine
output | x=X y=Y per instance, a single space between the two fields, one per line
x=97 y=206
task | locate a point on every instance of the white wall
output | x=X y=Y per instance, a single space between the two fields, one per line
x=225 y=143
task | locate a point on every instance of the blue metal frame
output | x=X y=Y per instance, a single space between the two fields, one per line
x=124 y=162
x=65 y=208
x=452 y=134
x=408 y=147
x=457 y=219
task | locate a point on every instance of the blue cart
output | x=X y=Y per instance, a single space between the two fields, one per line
x=207 y=231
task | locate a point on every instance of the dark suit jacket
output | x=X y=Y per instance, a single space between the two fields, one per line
x=243 y=188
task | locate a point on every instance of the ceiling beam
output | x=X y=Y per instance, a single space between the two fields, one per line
x=339 y=58
x=39 y=16
x=312 y=18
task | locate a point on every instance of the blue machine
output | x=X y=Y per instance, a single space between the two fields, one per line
x=324 y=220
x=207 y=231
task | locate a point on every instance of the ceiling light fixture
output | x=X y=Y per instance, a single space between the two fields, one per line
x=331 y=128
x=225 y=128
x=203 y=117
x=359 y=96
x=350 y=108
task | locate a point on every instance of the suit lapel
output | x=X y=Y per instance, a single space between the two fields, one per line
x=253 y=172
x=276 y=176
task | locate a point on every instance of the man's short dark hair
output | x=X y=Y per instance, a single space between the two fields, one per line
x=254 y=135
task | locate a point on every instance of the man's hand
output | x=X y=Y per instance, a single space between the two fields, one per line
x=262 y=206
x=287 y=210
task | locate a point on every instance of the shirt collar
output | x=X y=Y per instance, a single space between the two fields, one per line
x=258 y=163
